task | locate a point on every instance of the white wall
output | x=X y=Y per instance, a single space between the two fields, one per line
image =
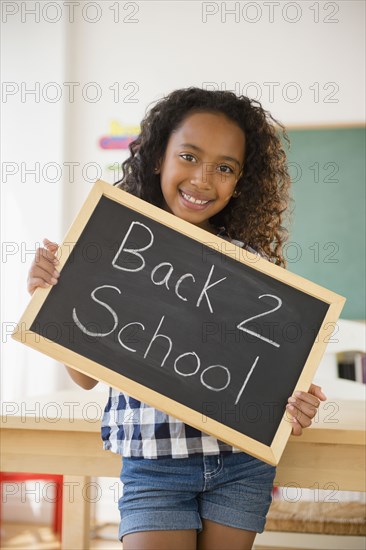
x=32 y=136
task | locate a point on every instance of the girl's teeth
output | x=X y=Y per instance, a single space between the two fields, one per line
x=191 y=199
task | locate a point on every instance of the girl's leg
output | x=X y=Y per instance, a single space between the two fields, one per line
x=161 y=540
x=235 y=502
x=158 y=506
x=220 y=537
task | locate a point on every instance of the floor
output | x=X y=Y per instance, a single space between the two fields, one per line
x=34 y=537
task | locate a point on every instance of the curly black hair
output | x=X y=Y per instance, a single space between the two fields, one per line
x=256 y=216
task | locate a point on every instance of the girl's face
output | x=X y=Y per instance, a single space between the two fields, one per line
x=202 y=163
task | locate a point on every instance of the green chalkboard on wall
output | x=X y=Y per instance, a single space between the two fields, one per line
x=327 y=237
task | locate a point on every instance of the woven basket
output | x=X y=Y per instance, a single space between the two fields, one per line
x=341 y=518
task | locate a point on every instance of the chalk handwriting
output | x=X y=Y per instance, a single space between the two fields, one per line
x=240 y=325
x=246 y=380
x=133 y=251
x=113 y=313
x=129 y=258
x=157 y=337
x=165 y=269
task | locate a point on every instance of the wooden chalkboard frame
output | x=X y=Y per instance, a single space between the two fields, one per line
x=268 y=453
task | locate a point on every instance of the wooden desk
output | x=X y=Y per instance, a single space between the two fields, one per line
x=61 y=434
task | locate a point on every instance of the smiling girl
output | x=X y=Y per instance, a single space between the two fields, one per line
x=216 y=161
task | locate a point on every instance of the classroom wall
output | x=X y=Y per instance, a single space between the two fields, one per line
x=31 y=207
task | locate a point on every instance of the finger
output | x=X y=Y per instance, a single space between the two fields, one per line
x=49 y=277
x=302 y=396
x=304 y=406
x=302 y=418
x=296 y=427
x=43 y=270
x=49 y=244
x=41 y=277
x=47 y=272
x=42 y=255
x=35 y=282
x=317 y=391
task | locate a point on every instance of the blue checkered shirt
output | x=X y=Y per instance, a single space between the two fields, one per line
x=132 y=428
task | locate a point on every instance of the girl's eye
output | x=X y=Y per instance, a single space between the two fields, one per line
x=227 y=169
x=190 y=157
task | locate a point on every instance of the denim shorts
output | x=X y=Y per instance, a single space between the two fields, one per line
x=233 y=489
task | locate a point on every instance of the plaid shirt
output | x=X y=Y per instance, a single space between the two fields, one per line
x=131 y=428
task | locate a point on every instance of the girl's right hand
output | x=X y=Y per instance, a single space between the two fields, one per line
x=43 y=270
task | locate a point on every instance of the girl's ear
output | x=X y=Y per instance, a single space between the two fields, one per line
x=157 y=167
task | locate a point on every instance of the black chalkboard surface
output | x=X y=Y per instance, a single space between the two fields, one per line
x=183 y=320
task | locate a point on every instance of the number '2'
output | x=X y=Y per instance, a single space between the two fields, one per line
x=240 y=325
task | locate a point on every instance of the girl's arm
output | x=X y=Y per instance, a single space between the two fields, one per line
x=81 y=379
x=43 y=273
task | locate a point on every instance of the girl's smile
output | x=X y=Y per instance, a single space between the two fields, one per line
x=193 y=201
x=202 y=163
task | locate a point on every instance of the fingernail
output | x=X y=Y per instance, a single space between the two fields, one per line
x=298 y=393
x=56 y=274
x=292 y=399
x=54 y=281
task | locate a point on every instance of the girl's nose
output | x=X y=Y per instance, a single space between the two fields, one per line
x=204 y=175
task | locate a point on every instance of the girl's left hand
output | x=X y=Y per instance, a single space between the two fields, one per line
x=303 y=407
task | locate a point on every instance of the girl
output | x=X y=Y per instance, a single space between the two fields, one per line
x=216 y=161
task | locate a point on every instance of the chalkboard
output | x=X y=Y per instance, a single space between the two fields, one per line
x=327 y=241
x=183 y=320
